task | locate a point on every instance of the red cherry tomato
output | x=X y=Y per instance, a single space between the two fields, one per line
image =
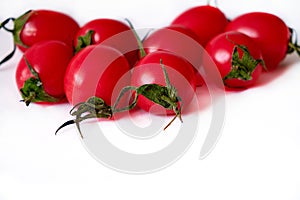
x=179 y=40
x=39 y=25
x=96 y=70
x=268 y=31
x=110 y=32
x=237 y=67
x=40 y=72
x=149 y=71
x=206 y=21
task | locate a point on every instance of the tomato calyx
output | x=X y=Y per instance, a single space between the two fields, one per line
x=242 y=68
x=84 y=41
x=33 y=90
x=293 y=43
x=166 y=96
x=94 y=107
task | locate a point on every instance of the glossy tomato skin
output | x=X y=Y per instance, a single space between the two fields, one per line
x=179 y=40
x=220 y=49
x=148 y=71
x=205 y=21
x=96 y=70
x=44 y=25
x=269 y=32
x=112 y=33
x=50 y=60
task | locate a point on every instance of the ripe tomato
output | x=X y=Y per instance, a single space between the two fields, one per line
x=110 y=32
x=269 y=32
x=40 y=72
x=205 y=21
x=149 y=71
x=39 y=25
x=237 y=57
x=179 y=40
x=96 y=70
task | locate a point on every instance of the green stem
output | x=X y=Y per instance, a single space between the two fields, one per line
x=3 y=25
x=293 y=43
x=139 y=41
x=122 y=93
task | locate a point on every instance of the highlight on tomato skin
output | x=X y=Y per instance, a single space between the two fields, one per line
x=96 y=70
x=180 y=72
x=238 y=58
x=40 y=78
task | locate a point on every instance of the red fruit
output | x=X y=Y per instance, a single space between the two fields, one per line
x=40 y=25
x=237 y=57
x=149 y=71
x=96 y=70
x=270 y=33
x=40 y=72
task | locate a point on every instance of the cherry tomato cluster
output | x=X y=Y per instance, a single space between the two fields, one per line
x=93 y=66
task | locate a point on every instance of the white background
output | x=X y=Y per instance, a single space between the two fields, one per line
x=257 y=157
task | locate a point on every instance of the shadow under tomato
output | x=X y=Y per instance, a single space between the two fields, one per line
x=270 y=76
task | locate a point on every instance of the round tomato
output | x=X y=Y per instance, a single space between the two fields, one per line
x=205 y=21
x=269 y=32
x=96 y=70
x=149 y=71
x=39 y=25
x=237 y=57
x=179 y=40
x=40 y=72
x=109 y=32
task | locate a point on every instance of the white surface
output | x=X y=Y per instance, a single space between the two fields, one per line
x=257 y=157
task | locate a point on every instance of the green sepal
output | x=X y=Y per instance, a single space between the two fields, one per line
x=18 y=26
x=33 y=91
x=242 y=68
x=95 y=106
x=157 y=94
x=84 y=41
